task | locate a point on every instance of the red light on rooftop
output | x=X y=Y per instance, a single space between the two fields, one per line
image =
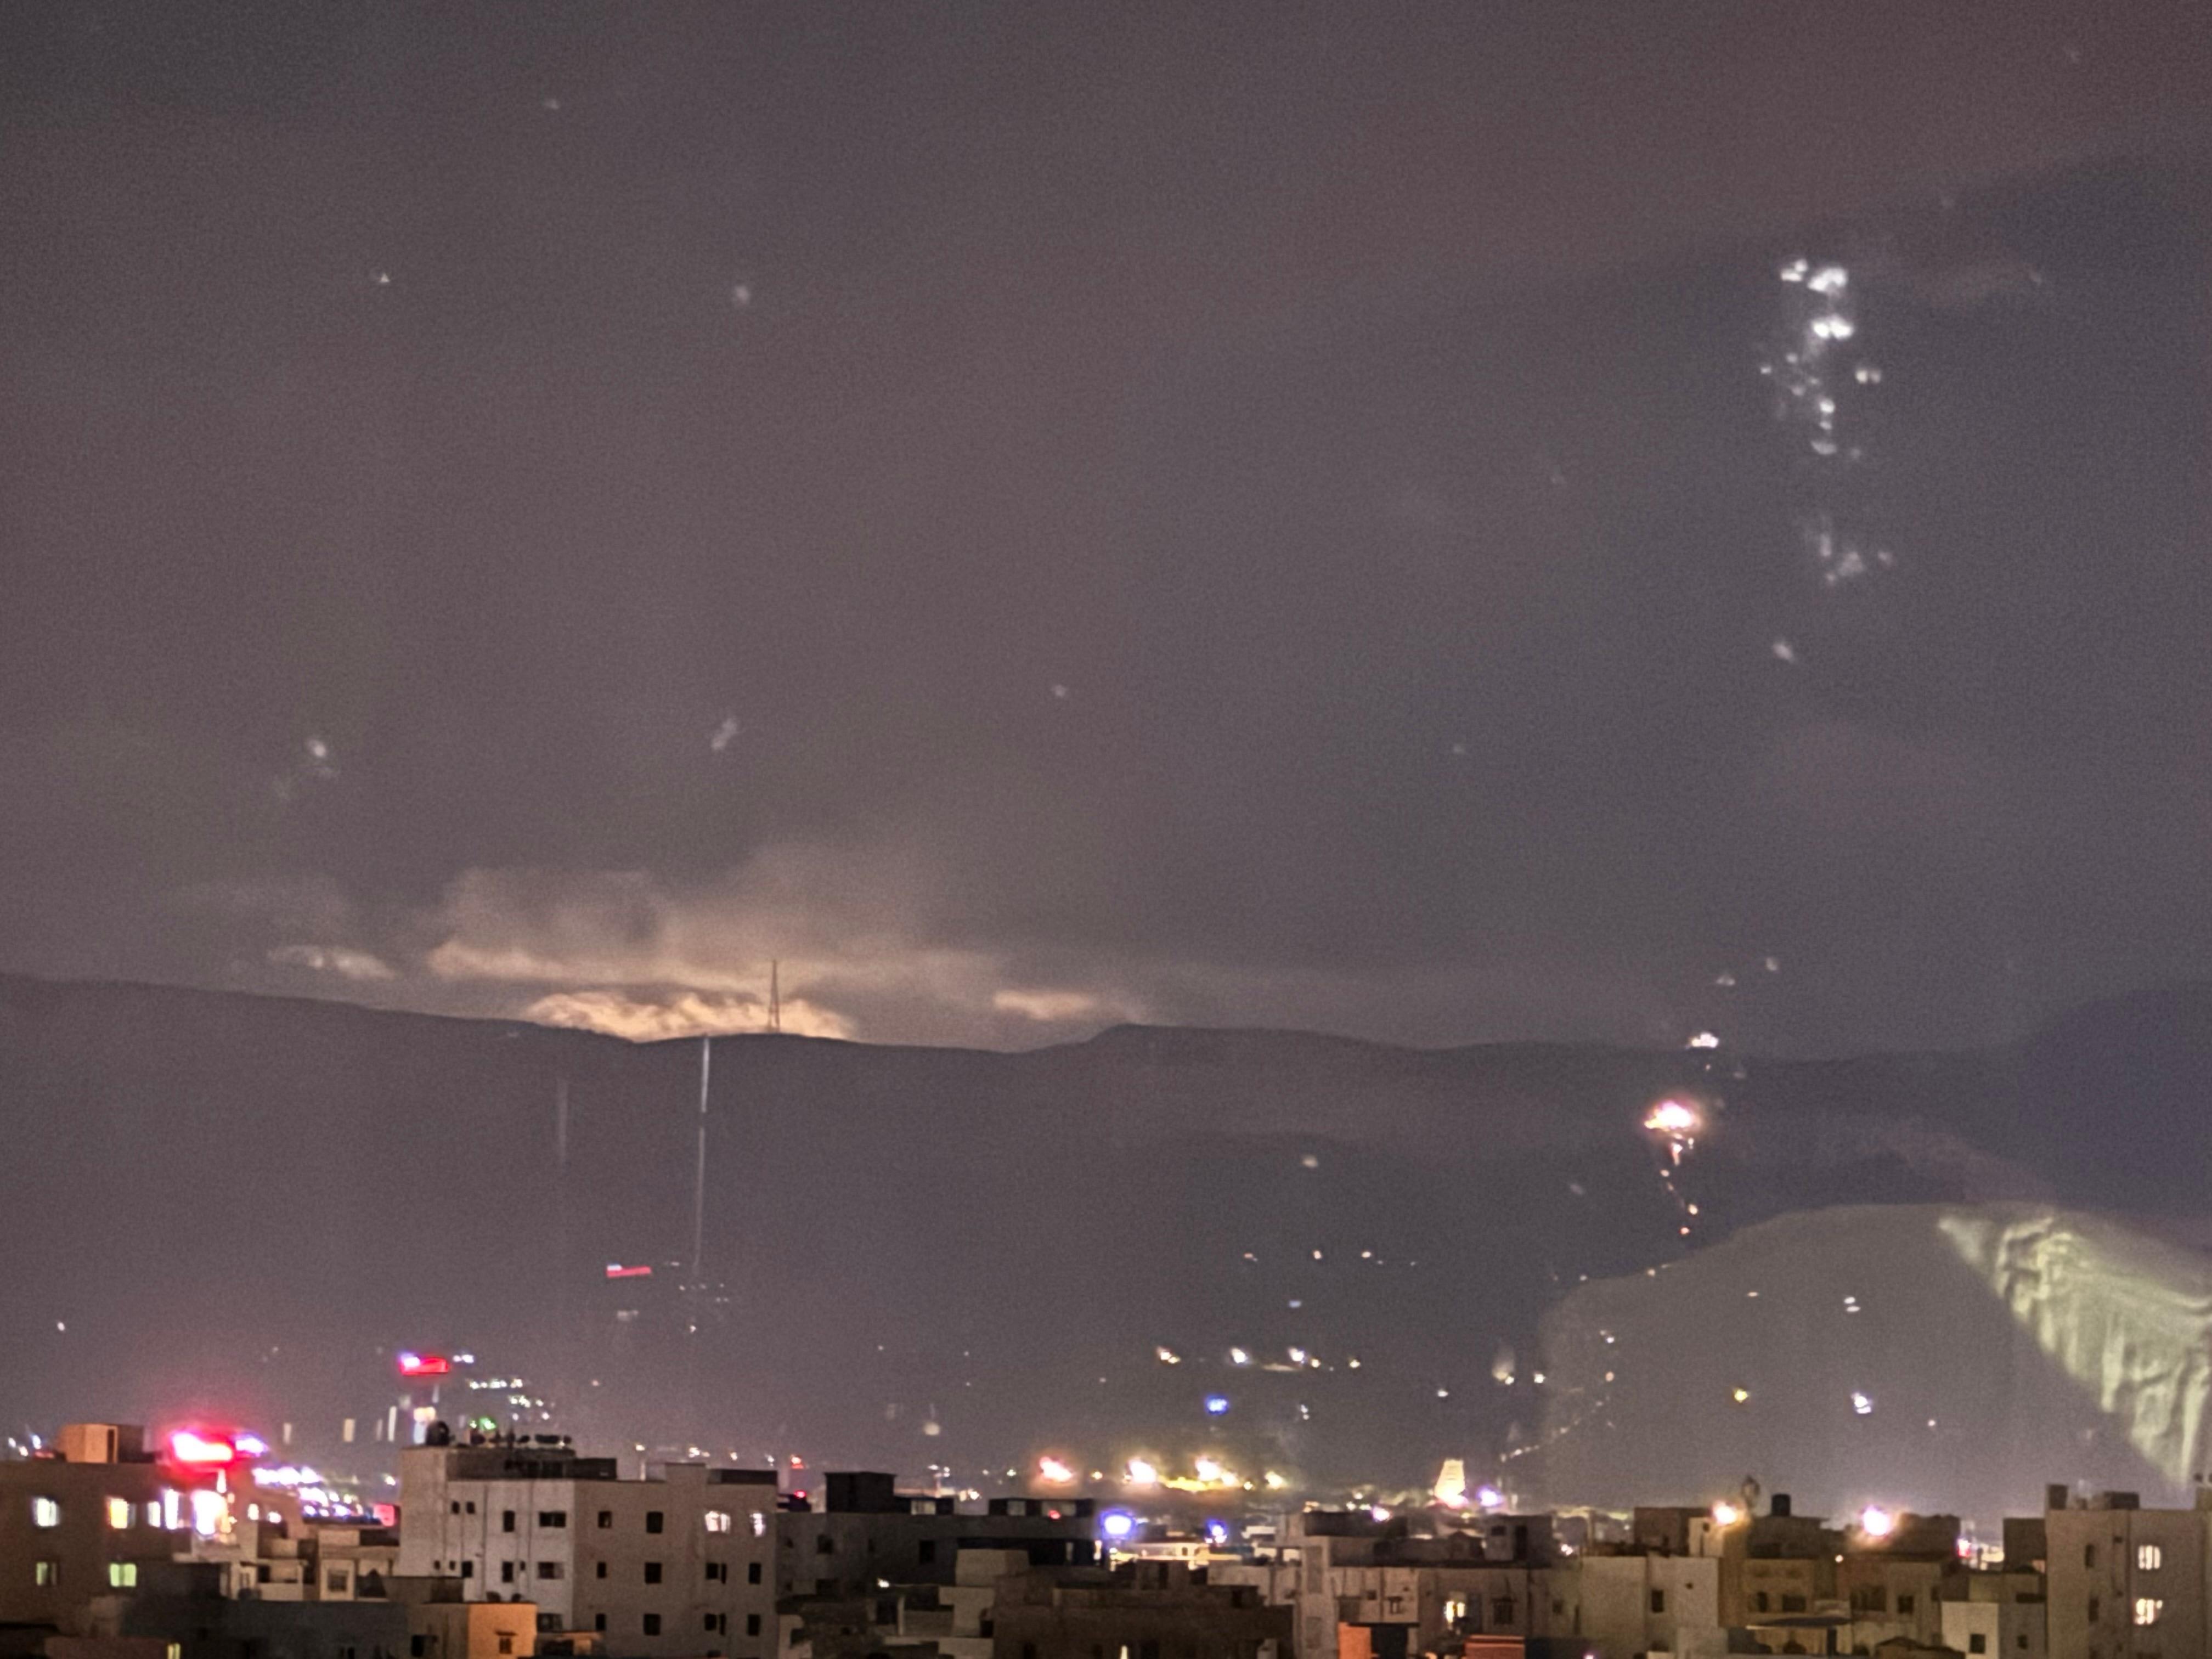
x=203 y=1451
x=616 y=1270
x=424 y=1365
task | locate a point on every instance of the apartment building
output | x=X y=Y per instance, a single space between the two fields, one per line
x=678 y=1563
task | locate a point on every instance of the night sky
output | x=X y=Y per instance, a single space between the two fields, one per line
x=1039 y=516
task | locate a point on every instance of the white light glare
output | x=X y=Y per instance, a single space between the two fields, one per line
x=1876 y=1521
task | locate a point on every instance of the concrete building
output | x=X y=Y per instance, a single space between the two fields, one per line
x=1997 y=1613
x=86 y=1520
x=2125 y=1582
x=1363 y=1587
x=1144 y=1610
x=677 y=1564
x=867 y=1534
x=1641 y=1602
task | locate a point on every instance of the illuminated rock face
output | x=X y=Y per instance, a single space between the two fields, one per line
x=2126 y=1317
x=1921 y=1356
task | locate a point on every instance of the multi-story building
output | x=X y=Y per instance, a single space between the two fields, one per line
x=1643 y=1601
x=678 y=1563
x=1997 y=1613
x=1358 y=1586
x=84 y=1520
x=1146 y=1609
x=867 y=1532
x=2125 y=1582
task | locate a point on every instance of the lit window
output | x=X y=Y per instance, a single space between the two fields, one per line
x=46 y=1574
x=45 y=1512
x=153 y=1515
x=123 y=1575
x=2147 y=1609
x=2149 y=1558
x=759 y=1523
x=718 y=1521
x=119 y=1511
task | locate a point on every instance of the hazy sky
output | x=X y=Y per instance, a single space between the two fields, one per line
x=1036 y=515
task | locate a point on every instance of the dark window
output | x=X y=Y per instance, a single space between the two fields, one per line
x=418 y=1646
x=606 y=1519
x=2088 y=1555
x=506 y=1641
x=1793 y=1603
x=261 y=1573
x=825 y=1544
x=752 y=1624
x=598 y=1621
x=1149 y=1650
x=1978 y=1643
x=752 y=1573
x=1905 y=1601
x=653 y=1520
x=507 y=1572
x=2093 y=1609
x=1759 y=1602
x=717 y=1573
x=548 y=1568
x=926 y=1550
x=507 y=1520
x=710 y=1623
x=456 y=1509
x=652 y=1624
x=468 y=1568
x=1028 y=1650
x=471 y=1506
x=653 y=1572
x=552 y=1517
x=1501 y=1610
x=1658 y=1600
x=602 y=1571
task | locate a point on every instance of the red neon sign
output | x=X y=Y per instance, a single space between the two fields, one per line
x=423 y=1364
x=203 y=1451
x=616 y=1270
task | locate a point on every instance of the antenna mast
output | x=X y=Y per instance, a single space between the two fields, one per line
x=699 y=1175
x=774 y=997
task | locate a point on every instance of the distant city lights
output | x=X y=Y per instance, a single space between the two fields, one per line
x=1052 y=1470
x=1142 y=1473
x=1117 y=1523
x=1726 y=1514
x=1217 y=1405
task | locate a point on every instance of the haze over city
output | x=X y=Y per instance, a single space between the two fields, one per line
x=1066 y=824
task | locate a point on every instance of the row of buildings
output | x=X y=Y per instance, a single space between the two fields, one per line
x=512 y=1547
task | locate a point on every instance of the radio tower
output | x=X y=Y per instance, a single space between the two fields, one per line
x=699 y=1174
x=774 y=997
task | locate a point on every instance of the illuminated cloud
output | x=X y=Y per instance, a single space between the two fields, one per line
x=1056 y=1007
x=681 y=1014
x=341 y=960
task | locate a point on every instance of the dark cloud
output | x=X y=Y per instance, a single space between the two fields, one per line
x=1044 y=517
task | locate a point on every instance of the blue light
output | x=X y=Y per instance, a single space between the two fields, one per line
x=1217 y=1532
x=1117 y=1523
x=1216 y=1404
